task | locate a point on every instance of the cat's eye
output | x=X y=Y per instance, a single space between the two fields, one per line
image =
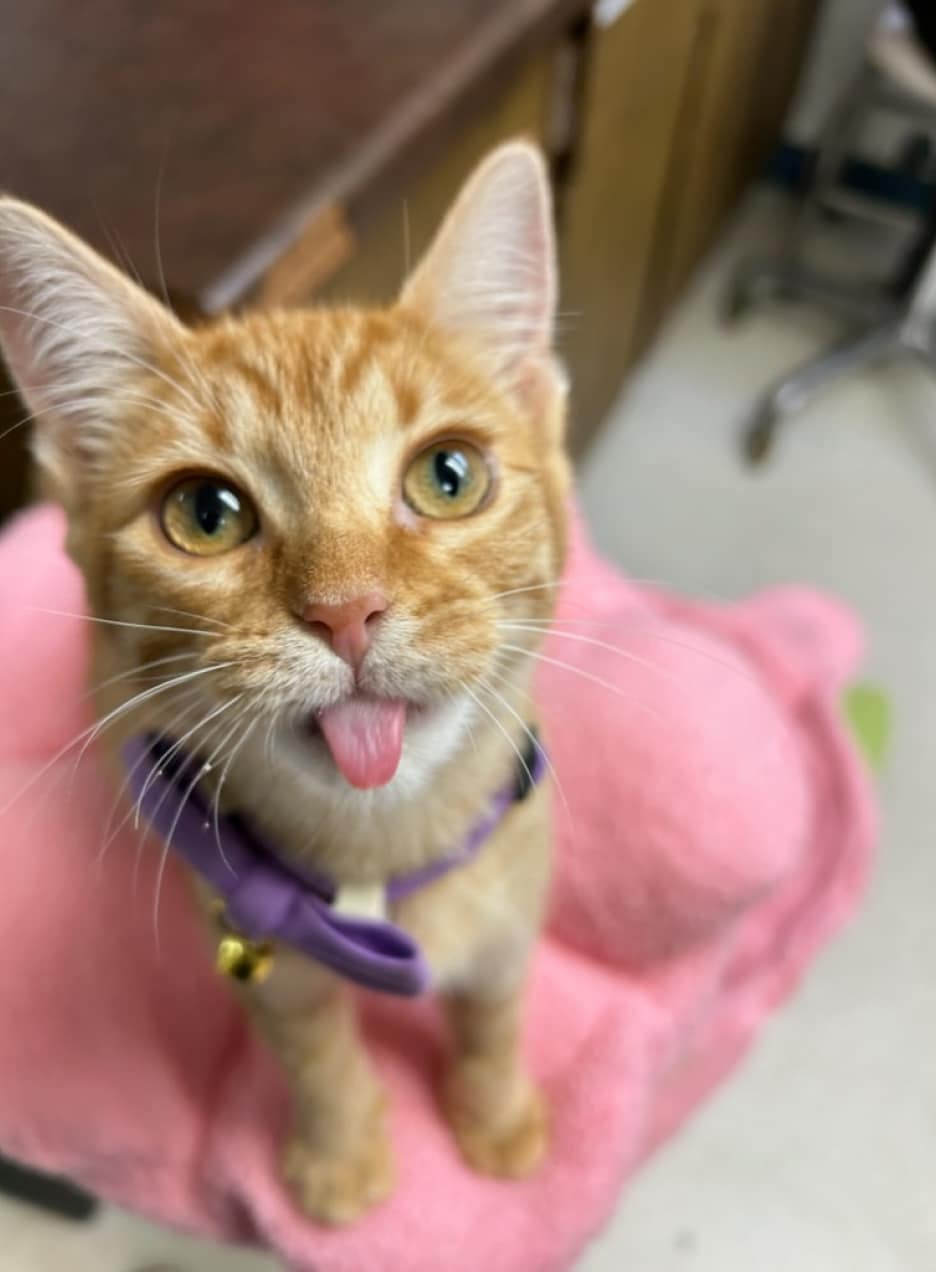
x=205 y=516
x=449 y=479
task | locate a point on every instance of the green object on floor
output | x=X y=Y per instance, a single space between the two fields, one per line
x=868 y=713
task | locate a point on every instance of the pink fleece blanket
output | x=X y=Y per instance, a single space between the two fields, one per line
x=717 y=829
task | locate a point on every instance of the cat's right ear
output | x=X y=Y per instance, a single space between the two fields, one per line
x=77 y=335
x=490 y=274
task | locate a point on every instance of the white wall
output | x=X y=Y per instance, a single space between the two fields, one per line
x=833 y=58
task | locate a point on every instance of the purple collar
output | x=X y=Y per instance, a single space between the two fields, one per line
x=265 y=900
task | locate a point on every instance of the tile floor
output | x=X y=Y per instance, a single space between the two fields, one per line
x=821 y=1154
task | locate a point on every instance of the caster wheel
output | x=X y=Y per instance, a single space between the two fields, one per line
x=758 y=441
x=734 y=304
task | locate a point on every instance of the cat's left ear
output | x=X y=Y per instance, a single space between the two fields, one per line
x=77 y=336
x=490 y=274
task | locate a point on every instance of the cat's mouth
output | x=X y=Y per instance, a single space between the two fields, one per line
x=364 y=736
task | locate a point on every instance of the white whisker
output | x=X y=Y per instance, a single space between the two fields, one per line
x=268 y=741
x=110 y=831
x=529 y=732
x=136 y=671
x=183 y=766
x=75 y=333
x=586 y=675
x=86 y=735
x=119 y=622
x=136 y=701
x=177 y=746
x=644 y=622
x=75 y=405
x=202 y=618
x=167 y=847
x=532 y=587
x=588 y=640
x=157 y=208
x=490 y=714
x=215 y=827
x=216 y=806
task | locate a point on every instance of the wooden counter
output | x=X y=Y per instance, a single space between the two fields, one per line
x=271 y=146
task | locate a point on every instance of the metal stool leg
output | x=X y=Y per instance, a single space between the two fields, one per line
x=792 y=392
x=778 y=278
x=836 y=138
x=44 y=1191
x=780 y=274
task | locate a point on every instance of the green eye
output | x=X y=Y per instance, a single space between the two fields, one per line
x=205 y=517
x=450 y=479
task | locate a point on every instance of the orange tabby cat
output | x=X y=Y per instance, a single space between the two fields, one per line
x=302 y=534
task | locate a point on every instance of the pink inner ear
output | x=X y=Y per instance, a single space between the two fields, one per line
x=490 y=273
x=76 y=334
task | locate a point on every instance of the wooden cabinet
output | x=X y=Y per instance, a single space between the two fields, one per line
x=743 y=66
x=684 y=100
x=652 y=120
x=396 y=236
x=629 y=122
x=654 y=123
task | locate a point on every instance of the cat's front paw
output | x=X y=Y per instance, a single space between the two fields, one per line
x=509 y=1147
x=337 y=1189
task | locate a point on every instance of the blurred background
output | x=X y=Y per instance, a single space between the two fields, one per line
x=746 y=202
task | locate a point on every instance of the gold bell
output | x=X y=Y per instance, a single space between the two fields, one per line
x=238 y=956
x=244 y=960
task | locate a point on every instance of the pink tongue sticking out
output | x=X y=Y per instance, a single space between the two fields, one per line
x=365 y=738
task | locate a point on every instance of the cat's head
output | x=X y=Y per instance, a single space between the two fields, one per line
x=316 y=521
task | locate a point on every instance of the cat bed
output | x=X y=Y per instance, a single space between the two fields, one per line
x=715 y=830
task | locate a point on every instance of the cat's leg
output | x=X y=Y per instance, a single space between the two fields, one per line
x=497 y=1114
x=338 y=1160
x=480 y=929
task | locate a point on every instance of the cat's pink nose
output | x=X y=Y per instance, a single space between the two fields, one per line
x=347 y=626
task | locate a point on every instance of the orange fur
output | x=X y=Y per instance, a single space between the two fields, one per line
x=314 y=416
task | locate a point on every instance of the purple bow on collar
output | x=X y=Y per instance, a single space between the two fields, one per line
x=266 y=900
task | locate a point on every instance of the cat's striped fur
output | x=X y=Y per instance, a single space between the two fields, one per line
x=314 y=414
